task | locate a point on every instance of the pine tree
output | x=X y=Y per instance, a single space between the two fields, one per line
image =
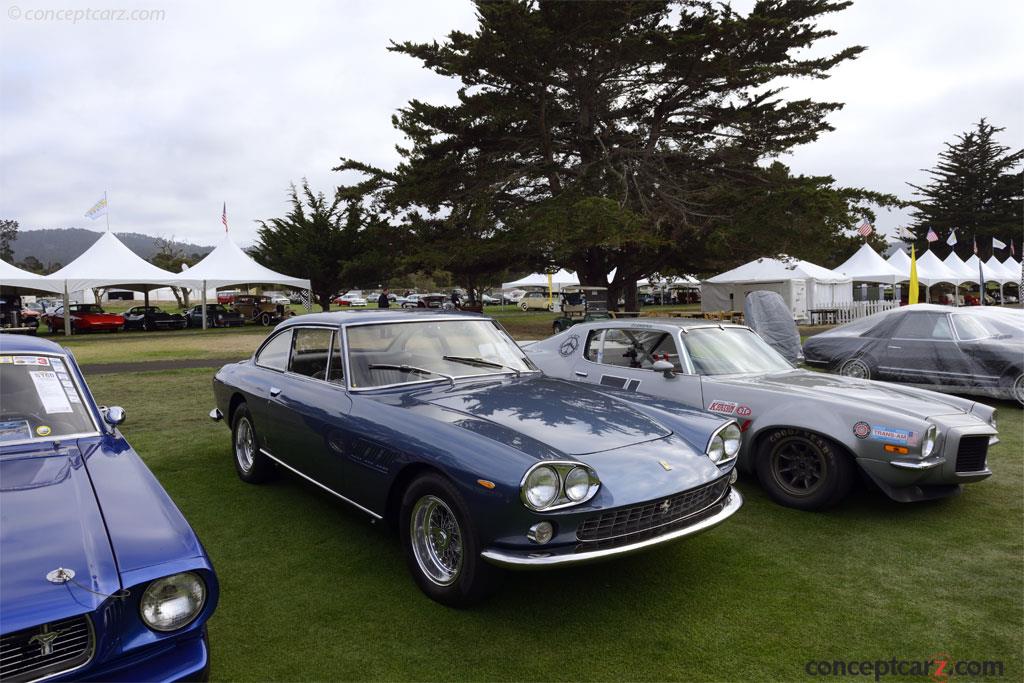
x=977 y=187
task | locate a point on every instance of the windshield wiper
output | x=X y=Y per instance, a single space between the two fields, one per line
x=481 y=362
x=411 y=368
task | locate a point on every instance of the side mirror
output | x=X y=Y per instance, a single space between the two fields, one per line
x=114 y=415
x=664 y=367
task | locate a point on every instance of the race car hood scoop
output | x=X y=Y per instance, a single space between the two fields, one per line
x=50 y=520
x=566 y=417
x=820 y=385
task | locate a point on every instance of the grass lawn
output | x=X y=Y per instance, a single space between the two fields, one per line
x=311 y=590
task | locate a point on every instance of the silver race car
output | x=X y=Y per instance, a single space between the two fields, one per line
x=806 y=432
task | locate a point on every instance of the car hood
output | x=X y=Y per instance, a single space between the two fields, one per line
x=566 y=417
x=818 y=385
x=50 y=519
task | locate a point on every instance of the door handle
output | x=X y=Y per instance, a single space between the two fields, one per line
x=274 y=391
x=580 y=374
x=894 y=347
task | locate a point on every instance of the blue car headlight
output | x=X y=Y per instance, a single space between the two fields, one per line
x=173 y=602
x=554 y=485
x=724 y=444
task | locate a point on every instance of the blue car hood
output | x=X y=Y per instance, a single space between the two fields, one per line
x=567 y=417
x=50 y=519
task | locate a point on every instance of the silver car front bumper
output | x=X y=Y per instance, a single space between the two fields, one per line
x=541 y=560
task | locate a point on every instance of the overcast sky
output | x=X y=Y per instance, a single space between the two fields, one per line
x=205 y=103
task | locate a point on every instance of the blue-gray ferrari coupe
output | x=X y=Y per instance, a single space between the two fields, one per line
x=440 y=425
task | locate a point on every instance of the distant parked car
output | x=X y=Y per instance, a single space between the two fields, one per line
x=227 y=296
x=260 y=309
x=16 y=317
x=216 y=316
x=278 y=298
x=489 y=300
x=151 y=318
x=512 y=296
x=295 y=297
x=970 y=351
x=425 y=301
x=439 y=425
x=103 y=578
x=84 y=318
x=351 y=299
x=538 y=301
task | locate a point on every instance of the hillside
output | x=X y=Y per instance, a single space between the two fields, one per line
x=63 y=245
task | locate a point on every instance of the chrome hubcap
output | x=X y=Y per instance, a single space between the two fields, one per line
x=1018 y=389
x=798 y=466
x=856 y=369
x=244 y=445
x=436 y=540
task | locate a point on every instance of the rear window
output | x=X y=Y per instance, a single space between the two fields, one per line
x=39 y=400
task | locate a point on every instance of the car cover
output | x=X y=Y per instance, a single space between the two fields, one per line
x=974 y=349
x=767 y=314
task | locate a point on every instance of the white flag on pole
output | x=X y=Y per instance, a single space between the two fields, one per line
x=98 y=209
x=998 y=244
x=951 y=240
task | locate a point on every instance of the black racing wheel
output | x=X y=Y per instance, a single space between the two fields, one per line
x=803 y=470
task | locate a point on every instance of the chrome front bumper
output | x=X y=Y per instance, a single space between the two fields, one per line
x=541 y=560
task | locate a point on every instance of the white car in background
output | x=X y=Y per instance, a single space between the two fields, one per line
x=277 y=298
x=353 y=299
x=538 y=301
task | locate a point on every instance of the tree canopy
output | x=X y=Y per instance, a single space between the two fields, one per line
x=622 y=135
x=977 y=188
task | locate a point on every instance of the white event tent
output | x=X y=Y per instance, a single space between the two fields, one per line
x=563 y=278
x=803 y=286
x=957 y=265
x=227 y=265
x=16 y=278
x=931 y=270
x=868 y=266
x=107 y=263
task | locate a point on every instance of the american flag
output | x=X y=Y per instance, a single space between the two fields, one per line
x=865 y=229
x=224 y=217
x=932 y=236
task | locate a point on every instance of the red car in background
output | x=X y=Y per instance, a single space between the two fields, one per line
x=227 y=296
x=84 y=318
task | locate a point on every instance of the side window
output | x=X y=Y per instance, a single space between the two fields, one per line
x=593 y=349
x=275 y=354
x=929 y=326
x=628 y=348
x=310 y=352
x=336 y=374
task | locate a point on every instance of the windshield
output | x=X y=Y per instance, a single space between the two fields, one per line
x=430 y=351
x=86 y=308
x=40 y=400
x=732 y=350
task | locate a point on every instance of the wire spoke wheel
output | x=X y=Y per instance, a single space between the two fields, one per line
x=798 y=466
x=245 y=445
x=436 y=540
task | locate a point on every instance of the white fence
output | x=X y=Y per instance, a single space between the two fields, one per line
x=844 y=313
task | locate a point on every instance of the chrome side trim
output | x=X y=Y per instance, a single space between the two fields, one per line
x=539 y=561
x=919 y=465
x=314 y=481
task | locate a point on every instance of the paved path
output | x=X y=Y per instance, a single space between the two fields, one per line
x=155 y=365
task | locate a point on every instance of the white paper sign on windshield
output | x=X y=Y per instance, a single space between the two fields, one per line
x=51 y=392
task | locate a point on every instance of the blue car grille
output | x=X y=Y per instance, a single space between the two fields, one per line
x=35 y=652
x=970 y=457
x=625 y=525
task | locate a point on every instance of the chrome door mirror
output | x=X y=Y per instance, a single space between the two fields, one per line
x=114 y=415
x=664 y=367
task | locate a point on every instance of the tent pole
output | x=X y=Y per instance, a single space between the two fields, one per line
x=145 y=298
x=204 y=304
x=67 y=311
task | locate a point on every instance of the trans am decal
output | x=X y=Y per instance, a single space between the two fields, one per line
x=902 y=437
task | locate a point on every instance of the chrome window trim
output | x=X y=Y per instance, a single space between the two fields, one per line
x=87 y=401
x=311 y=480
x=443 y=318
x=290 y=373
x=275 y=335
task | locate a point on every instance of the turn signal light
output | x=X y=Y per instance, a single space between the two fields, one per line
x=902 y=450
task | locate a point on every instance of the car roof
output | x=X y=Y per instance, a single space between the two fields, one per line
x=375 y=316
x=11 y=343
x=681 y=323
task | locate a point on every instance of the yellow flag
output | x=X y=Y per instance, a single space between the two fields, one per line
x=912 y=294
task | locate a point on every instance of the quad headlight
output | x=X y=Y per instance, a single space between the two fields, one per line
x=554 y=485
x=928 y=445
x=725 y=444
x=173 y=602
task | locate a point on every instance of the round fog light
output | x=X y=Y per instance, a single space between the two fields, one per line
x=541 y=532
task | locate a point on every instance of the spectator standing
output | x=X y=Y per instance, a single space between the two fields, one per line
x=383 y=301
